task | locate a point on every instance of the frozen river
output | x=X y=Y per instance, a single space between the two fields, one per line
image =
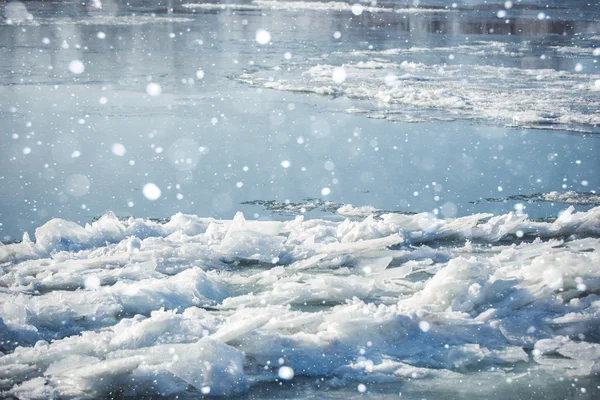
x=431 y=116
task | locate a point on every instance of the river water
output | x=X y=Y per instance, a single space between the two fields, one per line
x=210 y=144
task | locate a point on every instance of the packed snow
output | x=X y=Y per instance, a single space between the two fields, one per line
x=205 y=306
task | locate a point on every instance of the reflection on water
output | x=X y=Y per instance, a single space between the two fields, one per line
x=210 y=143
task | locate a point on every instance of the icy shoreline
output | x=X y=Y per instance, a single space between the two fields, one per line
x=206 y=306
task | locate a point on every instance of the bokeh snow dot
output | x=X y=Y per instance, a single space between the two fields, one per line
x=153 y=89
x=286 y=373
x=91 y=283
x=357 y=9
x=77 y=185
x=151 y=191
x=449 y=210
x=263 y=37
x=339 y=75
x=286 y=164
x=118 y=149
x=16 y=12
x=361 y=388
x=76 y=67
x=325 y=191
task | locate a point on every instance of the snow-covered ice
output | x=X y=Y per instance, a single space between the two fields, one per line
x=568 y=197
x=396 y=89
x=572 y=197
x=100 y=20
x=307 y=6
x=198 y=305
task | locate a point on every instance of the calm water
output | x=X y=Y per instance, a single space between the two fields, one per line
x=211 y=143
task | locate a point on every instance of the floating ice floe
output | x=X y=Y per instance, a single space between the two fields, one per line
x=307 y=5
x=311 y=204
x=568 y=197
x=477 y=48
x=198 y=305
x=414 y=91
x=104 y=20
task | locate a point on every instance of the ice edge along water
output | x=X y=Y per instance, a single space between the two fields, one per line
x=355 y=8
x=408 y=91
x=198 y=305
